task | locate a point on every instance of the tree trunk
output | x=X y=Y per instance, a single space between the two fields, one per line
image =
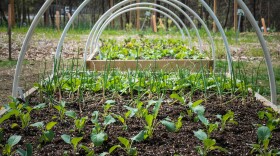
x=228 y=11
x=23 y=22
x=12 y=2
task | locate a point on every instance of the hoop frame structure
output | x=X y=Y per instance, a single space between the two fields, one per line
x=110 y=11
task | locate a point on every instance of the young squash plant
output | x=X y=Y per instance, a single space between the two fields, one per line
x=8 y=147
x=227 y=118
x=78 y=122
x=261 y=148
x=208 y=143
x=173 y=126
x=47 y=132
x=72 y=141
x=61 y=109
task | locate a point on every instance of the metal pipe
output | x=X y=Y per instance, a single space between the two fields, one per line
x=269 y=66
x=25 y=44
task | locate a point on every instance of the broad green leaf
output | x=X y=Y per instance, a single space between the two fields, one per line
x=108 y=120
x=120 y=118
x=200 y=134
x=113 y=148
x=66 y=138
x=149 y=119
x=151 y=102
x=110 y=102
x=132 y=151
x=199 y=110
x=8 y=115
x=75 y=141
x=50 y=125
x=133 y=111
x=170 y=126
x=209 y=143
x=29 y=150
x=71 y=114
x=99 y=138
x=13 y=140
x=38 y=124
x=139 y=137
x=49 y=135
x=177 y=97
x=40 y=106
x=263 y=133
x=196 y=103
x=14 y=125
x=179 y=123
x=203 y=120
x=124 y=141
x=21 y=152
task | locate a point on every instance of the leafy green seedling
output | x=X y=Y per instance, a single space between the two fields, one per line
x=179 y=98
x=227 y=118
x=171 y=126
x=47 y=133
x=273 y=119
x=78 y=122
x=209 y=126
x=61 y=109
x=12 y=141
x=208 y=144
x=107 y=106
x=28 y=151
x=127 y=146
x=195 y=108
x=261 y=148
x=72 y=141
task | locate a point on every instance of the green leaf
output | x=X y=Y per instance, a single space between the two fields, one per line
x=14 y=125
x=203 y=120
x=132 y=151
x=196 y=103
x=29 y=150
x=71 y=114
x=200 y=134
x=139 y=137
x=40 y=106
x=66 y=138
x=199 y=110
x=124 y=141
x=170 y=126
x=50 y=125
x=49 y=136
x=179 y=123
x=177 y=97
x=149 y=119
x=38 y=124
x=133 y=111
x=9 y=115
x=209 y=143
x=13 y=140
x=110 y=102
x=113 y=148
x=108 y=120
x=75 y=141
x=99 y=138
x=263 y=133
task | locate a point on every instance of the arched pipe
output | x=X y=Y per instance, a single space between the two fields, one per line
x=266 y=53
x=220 y=28
x=25 y=44
x=157 y=6
x=67 y=27
x=109 y=12
x=140 y=8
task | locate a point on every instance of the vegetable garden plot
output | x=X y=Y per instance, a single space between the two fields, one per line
x=148 y=54
x=141 y=113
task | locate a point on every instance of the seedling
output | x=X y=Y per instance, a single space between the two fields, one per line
x=79 y=122
x=72 y=141
x=195 y=108
x=261 y=148
x=12 y=141
x=208 y=144
x=47 y=133
x=61 y=109
x=28 y=151
x=227 y=118
x=209 y=126
x=171 y=126
x=273 y=119
x=127 y=146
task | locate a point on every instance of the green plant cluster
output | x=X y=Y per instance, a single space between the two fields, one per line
x=148 y=49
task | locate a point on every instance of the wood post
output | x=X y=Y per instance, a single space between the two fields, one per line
x=138 y=17
x=10 y=30
x=235 y=15
x=264 y=26
x=154 y=23
x=215 y=12
x=13 y=21
x=57 y=20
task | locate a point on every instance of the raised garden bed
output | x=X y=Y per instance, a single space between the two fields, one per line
x=145 y=54
x=181 y=105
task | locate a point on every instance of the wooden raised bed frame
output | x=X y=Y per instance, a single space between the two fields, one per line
x=166 y=64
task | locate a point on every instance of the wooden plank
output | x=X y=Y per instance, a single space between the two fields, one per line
x=266 y=102
x=264 y=26
x=57 y=20
x=154 y=23
x=168 y=65
x=215 y=12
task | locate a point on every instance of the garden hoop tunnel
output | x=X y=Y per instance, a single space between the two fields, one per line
x=247 y=12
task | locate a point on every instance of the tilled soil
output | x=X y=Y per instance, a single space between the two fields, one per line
x=235 y=138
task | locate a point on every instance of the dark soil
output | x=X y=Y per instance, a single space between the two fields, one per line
x=235 y=138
